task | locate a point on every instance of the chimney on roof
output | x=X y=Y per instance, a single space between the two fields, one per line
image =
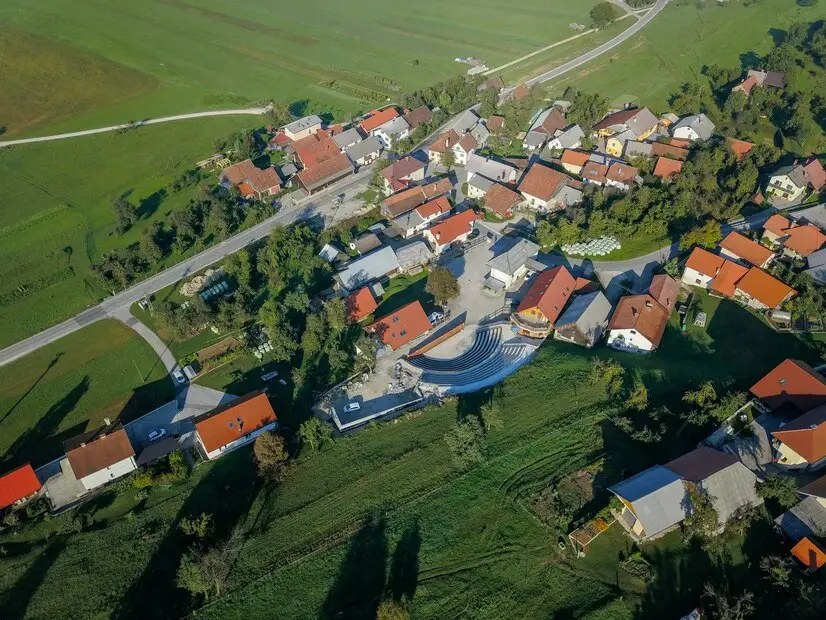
x=813 y=427
x=648 y=304
x=82 y=444
x=107 y=421
x=634 y=312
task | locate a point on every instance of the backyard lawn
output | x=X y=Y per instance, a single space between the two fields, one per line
x=348 y=520
x=65 y=388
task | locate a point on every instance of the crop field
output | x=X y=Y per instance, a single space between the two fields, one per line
x=56 y=219
x=65 y=388
x=673 y=48
x=155 y=57
x=384 y=510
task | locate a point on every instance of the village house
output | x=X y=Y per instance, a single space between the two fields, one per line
x=621 y=176
x=418 y=117
x=251 y=181
x=303 y=127
x=466 y=122
x=233 y=425
x=454 y=229
x=361 y=304
x=758 y=78
x=584 y=320
x=806 y=520
x=789 y=183
x=325 y=174
x=549 y=122
x=694 y=127
x=534 y=141
x=481 y=134
x=347 y=138
x=441 y=145
x=570 y=138
x=801 y=443
x=402 y=174
x=740 y=148
x=512 y=265
x=654 y=502
x=418 y=219
x=544 y=302
x=501 y=200
x=377 y=118
x=667 y=168
x=796 y=240
x=402 y=326
x=398 y=204
x=540 y=186
x=368 y=268
x=100 y=456
x=639 y=321
x=392 y=131
x=595 y=173
x=574 y=161
x=462 y=149
x=761 y=291
x=743 y=249
x=18 y=487
x=640 y=122
x=790 y=389
x=495 y=124
x=315 y=149
x=478 y=187
x=492 y=169
x=365 y=152
x=413 y=257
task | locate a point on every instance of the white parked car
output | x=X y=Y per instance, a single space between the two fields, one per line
x=179 y=376
x=350 y=407
x=157 y=434
x=434 y=316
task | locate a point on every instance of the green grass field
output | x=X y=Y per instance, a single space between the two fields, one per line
x=56 y=219
x=673 y=48
x=387 y=502
x=65 y=388
x=155 y=57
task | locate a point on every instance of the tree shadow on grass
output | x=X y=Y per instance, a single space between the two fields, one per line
x=404 y=567
x=149 y=205
x=358 y=588
x=16 y=601
x=34 y=385
x=146 y=398
x=227 y=491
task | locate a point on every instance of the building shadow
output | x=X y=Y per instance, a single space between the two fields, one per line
x=16 y=601
x=227 y=491
x=359 y=585
x=146 y=398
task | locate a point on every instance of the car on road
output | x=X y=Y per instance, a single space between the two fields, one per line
x=351 y=407
x=157 y=434
x=179 y=376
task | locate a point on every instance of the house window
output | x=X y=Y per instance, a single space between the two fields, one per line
x=395 y=319
x=697 y=281
x=403 y=332
x=783 y=381
x=633 y=331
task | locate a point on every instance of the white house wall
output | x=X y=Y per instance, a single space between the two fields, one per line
x=113 y=472
x=695 y=278
x=629 y=340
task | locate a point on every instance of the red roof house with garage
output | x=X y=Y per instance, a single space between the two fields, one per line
x=235 y=424
x=402 y=326
x=17 y=486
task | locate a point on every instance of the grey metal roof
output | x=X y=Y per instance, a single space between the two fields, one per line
x=490 y=168
x=755 y=449
x=363 y=148
x=730 y=489
x=534 y=139
x=568 y=195
x=570 y=137
x=303 y=123
x=818 y=274
x=637 y=149
x=466 y=122
x=585 y=318
x=700 y=123
x=807 y=518
x=508 y=262
x=658 y=496
x=394 y=126
x=641 y=122
x=795 y=173
x=413 y=254
x=626 y=135
x=816 y=259
x=408 y=221
x=329 y=252
x=481 y=133
x=347 y=138
x=369 y=267
x=481 y=183
x=287 y=170
x=813 y=215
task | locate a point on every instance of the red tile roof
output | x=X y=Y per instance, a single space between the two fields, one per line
x=643 y=313
x=806 y=434
x=659 y=149
x=791 y=382
x=402 y=326
x=592 y=171
x=501 y=200
x=747 y=249
x=445 y=141
x=680 y=144
x=433 y=207
x=407 y=200
x=809 y=553
x=542 y=182
x=360 y=304
x=621 y=173
x=332 y=168
x=418 y=116
x=664 y=289
x=617 y=118
x=521 y=92
x=379 y=118
x=451 y=228
x=18 y=484
x=554 y=121
x=575 y=158
x=726 y=280
x=740 y=148
x=402 y=169
x=815 y=174
x=235 y=420
x=315 y=149
x=549 y=293
x=495 y=123
x=101 y=451
x=667 y=168
x=804 y=239
x=467 y=143
x=777 y=224
x=747 y=84
x=766 y=289
x=245 y=172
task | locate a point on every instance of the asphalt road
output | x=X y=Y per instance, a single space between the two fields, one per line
x=318 y=205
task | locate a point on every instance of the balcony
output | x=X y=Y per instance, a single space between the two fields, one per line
x=533 y=329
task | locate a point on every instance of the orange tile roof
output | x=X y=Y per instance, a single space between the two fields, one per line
x=592 y=171
x=360 y=304
x=621 y=173
x=467 y=143
x=643 y=313
x=814 y=173
x=664 y=289
x=495 y=123
x=501 y=200
x=246 y=173
x=235 y=420
x=804 y=239
x=809 y=554
x=575 y=158
x=725 y=282
x=660 y=149
x=315 y=149
x=667 y=168
x=680 y=144
x=777 y=224
x=740 y=148
x=401 y=203
x=402 y=326
x=806 y=434
x=766 y=289
x=791 y=382
x=444 y=142
x=747 y=249
x=542 y=182
x=521 y=92
x=703 y=261
x=452 y=228
x=438 y=205
x=18 y=484
x=327 y=169
x=99 y=452
x=379 y=118
x=549 y=293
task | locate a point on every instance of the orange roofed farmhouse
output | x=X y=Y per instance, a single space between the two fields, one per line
x=405 y=324
x=234 y=425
